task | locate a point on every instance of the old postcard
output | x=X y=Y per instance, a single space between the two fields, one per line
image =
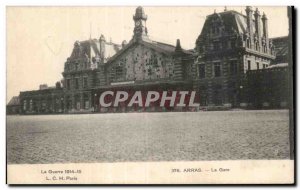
x=150 y=95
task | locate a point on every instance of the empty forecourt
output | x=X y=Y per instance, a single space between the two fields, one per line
x=170 y=136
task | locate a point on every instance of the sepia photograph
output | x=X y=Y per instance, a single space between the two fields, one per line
x=150 y=88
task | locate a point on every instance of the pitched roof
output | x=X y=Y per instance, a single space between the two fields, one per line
x=166 y=47
x=14 y=101
x=281 y=45
x=91 y=48
x=236 y=20
x=232 y=21
x=159 y=46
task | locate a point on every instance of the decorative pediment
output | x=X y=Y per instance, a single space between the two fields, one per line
x=141 y=60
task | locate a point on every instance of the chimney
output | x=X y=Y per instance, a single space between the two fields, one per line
x=124 y=43
x=265 y=25
x=265 y=30
x=102 y=46
x=257 y=23
x=178 y=46
x=249 y=13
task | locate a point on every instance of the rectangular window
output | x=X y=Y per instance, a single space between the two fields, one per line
x=257 y=65
x=119 y=72
x=248 y=43
x=76 y=83
x=76 y=66
x=216 y=46
x=201 y=71
x=249 y=65
x=217 y=69
x=85 y=82
x=68 y=84
x=264 y=66
x=24 y=105
x=86 y=104
x=30 y=105
x=229 y=44
x=233 y=68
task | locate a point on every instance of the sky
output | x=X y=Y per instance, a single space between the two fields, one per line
x=40 y=39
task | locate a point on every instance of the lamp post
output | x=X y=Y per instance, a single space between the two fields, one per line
x=95 y=100
x=241 y=95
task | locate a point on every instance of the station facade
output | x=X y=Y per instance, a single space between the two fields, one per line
x=230 y=45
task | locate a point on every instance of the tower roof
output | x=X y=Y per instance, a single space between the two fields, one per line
x=140 y=14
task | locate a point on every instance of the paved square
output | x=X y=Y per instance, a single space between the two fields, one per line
x=172 y=136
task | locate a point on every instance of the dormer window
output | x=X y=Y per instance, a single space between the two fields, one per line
x=76 y=83
x=68 y=84
x=76 y=66
x=256 y=46
x=201 y=71
x=85 y=82
x=248 y=43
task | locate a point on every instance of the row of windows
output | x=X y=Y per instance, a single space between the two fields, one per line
x=58 y=102
x=257 y=66
x=233 y=68
x=223 y=45
x=76 y=83
x=76 y=66
x=217 y=69
x=257 y=46
x=215 y=30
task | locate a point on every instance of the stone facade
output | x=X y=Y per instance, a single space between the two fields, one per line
x=229 y=50
x=229 y=45
x=96 y=65
x=44 y=101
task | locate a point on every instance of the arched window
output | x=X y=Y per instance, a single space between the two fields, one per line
x=24 y=105
x=31 y=105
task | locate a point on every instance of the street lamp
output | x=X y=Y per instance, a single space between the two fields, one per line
x=95 y=100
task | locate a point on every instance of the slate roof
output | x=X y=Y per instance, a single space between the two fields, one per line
x=233 y=22
x=233 y=19
x=14 y=101
x=91 y=48
x=166 y=47
x=159 y=46
x=281 y=45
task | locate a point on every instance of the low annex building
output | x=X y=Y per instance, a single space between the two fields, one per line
x=229 y=46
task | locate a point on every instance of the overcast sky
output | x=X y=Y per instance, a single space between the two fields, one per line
x=39 y=39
